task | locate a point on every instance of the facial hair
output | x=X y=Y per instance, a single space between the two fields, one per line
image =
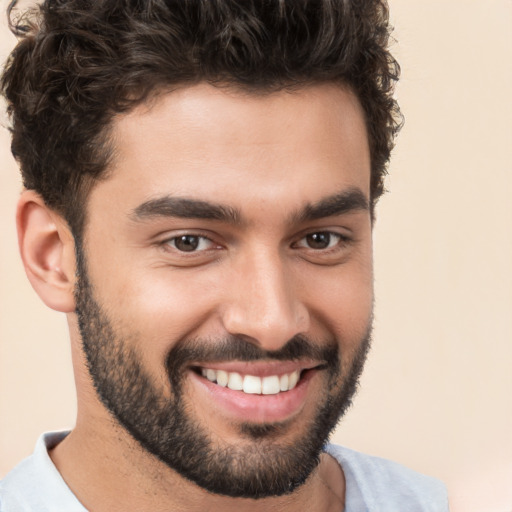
x=261 y=466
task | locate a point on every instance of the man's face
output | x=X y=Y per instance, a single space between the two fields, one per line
x=225 y=289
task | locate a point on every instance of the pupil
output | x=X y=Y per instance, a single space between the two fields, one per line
x=187 y=243
x=319 y=240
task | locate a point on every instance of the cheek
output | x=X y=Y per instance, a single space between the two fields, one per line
x=343 y=302
x=159 y=306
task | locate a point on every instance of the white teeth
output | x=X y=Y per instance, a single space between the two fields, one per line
x=235 y=382
x=252 y=385
x=293 y=379
x=283 y=382
x=270 y=385
x=222 y=378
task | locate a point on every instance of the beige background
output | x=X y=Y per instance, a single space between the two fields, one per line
x=436 y=393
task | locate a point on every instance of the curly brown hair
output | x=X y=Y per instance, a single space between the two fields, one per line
x=80 y=62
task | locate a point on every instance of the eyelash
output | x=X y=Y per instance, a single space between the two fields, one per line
x=175 y=239
x=340 y=242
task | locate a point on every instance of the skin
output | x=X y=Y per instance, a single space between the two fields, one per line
x=267 y=157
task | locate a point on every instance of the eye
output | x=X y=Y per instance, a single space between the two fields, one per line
x=190 y=243
x=321 y=240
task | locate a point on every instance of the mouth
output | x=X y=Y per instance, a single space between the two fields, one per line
x=252 y=384
x=257 y=392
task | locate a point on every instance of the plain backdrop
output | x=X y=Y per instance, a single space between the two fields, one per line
x=436 y=392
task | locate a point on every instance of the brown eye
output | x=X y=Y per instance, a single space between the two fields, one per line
x=189 y=243
x=321 y=240
x=186 y=243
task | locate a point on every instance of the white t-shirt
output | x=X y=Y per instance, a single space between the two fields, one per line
x=372 y=484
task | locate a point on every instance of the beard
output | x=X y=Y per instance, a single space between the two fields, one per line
x=262 y=465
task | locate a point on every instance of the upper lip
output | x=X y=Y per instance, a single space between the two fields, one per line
x=260 y=368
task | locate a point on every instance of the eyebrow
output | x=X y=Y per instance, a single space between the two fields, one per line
x=344 y=202
x=348 y=201
x=185 y=208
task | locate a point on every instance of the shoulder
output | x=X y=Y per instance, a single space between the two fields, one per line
x=35 y=483
x=374 y=483
x=15 y=488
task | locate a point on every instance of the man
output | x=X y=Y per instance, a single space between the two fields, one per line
x=200 y=185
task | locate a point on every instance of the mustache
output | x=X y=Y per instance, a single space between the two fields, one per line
x=233 y=348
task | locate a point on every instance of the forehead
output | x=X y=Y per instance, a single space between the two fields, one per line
x=209 y=142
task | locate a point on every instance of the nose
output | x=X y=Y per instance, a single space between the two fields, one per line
x=264 y=303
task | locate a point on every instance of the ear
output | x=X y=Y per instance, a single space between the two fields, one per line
x=47 y=249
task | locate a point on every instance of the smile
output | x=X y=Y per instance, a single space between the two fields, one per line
x=254 y=391
x=252 y=384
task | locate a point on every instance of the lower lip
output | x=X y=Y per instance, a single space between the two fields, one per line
x=246 y=407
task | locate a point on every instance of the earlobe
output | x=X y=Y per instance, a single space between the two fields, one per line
x=47 y=250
